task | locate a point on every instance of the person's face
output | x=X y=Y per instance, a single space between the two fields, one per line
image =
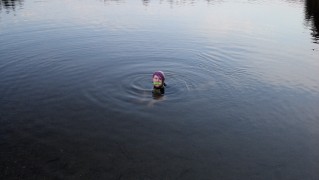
x=157 y=81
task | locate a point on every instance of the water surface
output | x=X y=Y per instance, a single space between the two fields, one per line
x=76 y=94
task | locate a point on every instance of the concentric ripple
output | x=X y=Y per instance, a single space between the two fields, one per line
x=129 y=84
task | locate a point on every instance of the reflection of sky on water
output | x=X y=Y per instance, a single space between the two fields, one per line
x=257 y=13
x=258 y=27
x=241 y=72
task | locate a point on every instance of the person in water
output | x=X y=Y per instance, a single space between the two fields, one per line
x=158 y=82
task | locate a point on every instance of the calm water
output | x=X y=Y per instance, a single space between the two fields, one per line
x=242 y=100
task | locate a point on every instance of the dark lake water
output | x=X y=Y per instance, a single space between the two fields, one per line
x=242 y=100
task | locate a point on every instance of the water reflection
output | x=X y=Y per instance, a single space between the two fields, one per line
x=177 y=2
x=76 y=98
x=10 y=4
x=185 y=2
x=108 y=2
x=171 y=2
x=312 y=17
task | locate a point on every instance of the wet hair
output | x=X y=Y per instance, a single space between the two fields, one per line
x=160 y=74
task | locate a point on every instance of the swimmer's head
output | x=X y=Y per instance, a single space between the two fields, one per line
x=158 y=79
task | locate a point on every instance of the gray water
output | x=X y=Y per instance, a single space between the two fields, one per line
x=242 y=100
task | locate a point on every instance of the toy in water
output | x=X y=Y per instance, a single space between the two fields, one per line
x=158 y=83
